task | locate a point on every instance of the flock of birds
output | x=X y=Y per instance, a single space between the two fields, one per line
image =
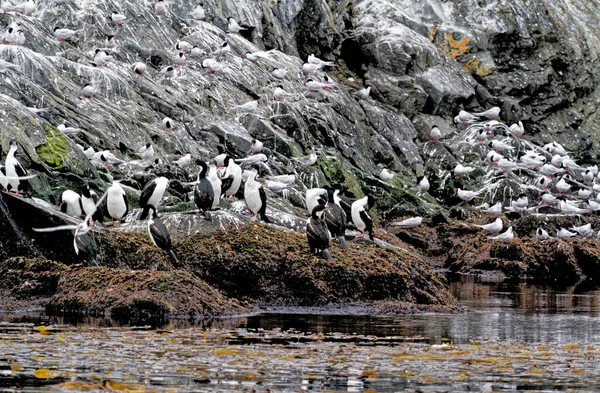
x=329 y=214
x=550 y=174
x=221 y=179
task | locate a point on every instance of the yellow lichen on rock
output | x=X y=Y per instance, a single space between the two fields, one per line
x=432 y=33
x=454 y=48
x=478 y=67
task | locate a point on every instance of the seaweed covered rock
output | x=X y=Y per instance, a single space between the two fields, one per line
x=139 y=294
x=270 y=266
x=28 y=283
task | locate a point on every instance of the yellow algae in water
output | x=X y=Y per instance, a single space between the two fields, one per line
x=79 y=385
x=369 y=374
x=121 y=387
x=43 y=373
x=572 y=346
x=41 y=328
x=225 y=351
x=16 y=367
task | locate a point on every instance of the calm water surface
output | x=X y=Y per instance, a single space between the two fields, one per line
x=517 y=336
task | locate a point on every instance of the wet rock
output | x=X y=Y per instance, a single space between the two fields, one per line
x=139 y=295
x=271 y=266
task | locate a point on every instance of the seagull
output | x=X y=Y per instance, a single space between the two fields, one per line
x=495 y=210
x=280 y=94
x=466 y=195
x=167 y=124
x=233 y=26
x=505 y=237
x=307 y=160
x=314 y=86
x=363 y=94
x=279 y=73
x=541 y=234
x=465 y=117
x=493 y=227
x=198 y=13
x=386 y=174
x=118 y=19
x=460 y=170
x=435 y=133
x=248 y=107
x=584 y=230
x=312 y=59
x=517 y=130
x=564 y=234
x=409 y=222
x=184 y=161
x=423 y=185
x=491 y=113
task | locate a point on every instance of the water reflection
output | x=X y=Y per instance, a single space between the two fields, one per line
x=499 y=309
x=517 y=336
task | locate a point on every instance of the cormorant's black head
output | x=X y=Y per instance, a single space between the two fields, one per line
x=370 y=201
x=148 y=145
x=539 y=231
x=13 y=142
x=319 y=208
x=85 y=190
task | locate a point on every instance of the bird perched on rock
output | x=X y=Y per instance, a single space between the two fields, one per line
x=409 y=222
x=307 y=160
x=494 y=227
x=460 y=170
x=316 y=232
x=139 y=68
x=435 y=133
x=204 y=194
x=16 y=175
x=198 y=12
x=118 y=19
x=279 y=73
x=147 y=152
x=90 y=204
x=152 y=194
x=215 y=181
x=360 y=215
x=64 y=34
x=116 y=202
x=466 y=195
x=232 y=178
x=184 y=161
x=541 y=234
x=255 y=198
x=70 y=203
x=159 y=234
x=562 y=233
x=160 y=8
x=386 y=174
x=335 y=218
x=505 y=237
x=363 y=94
x=248 y=107
x=233 y=26
x=423 y=185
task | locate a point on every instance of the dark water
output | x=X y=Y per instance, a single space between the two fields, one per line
x=516 y=336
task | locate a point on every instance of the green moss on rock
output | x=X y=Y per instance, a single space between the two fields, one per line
x=56 y=149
